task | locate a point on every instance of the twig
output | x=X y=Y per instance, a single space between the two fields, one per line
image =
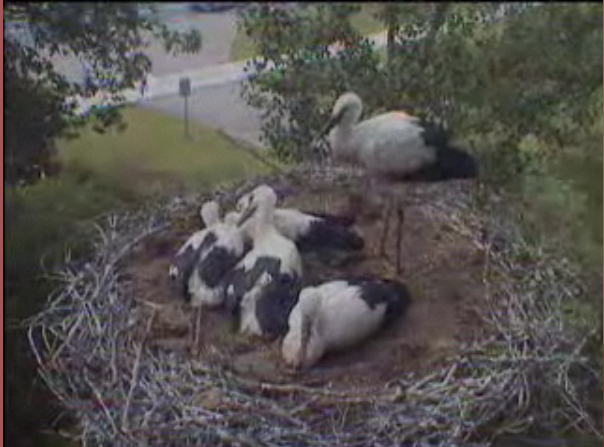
x=136 y=371
x=67 y=340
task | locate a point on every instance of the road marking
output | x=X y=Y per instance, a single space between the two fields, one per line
x=167 y=85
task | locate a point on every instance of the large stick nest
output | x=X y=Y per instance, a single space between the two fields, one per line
x=525 y=369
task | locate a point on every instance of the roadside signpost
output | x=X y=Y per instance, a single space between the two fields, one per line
x=184 y=88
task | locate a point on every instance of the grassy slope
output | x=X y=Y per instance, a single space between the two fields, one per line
x=101 y=172
x=243 y=48
x=152 y=154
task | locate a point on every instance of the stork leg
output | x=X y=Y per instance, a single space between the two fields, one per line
x=196 y=330
x=191 y=329
x=384 y=238
x=400 y=218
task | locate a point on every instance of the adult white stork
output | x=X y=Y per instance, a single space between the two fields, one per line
x=391 y=148
x=264 y=287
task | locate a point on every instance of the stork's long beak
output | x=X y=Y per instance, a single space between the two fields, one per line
x=335 y=119
x=246 y=214
x=324 y=152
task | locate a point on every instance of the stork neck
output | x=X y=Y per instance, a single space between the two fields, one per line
x=350 y=118
x=263 y=222
x=351 y=114
x=210 y=215
x=342 y=142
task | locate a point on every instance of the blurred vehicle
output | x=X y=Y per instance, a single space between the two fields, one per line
x=213 y=7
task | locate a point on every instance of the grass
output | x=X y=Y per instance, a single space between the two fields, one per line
x=244 y=48
x=152 y=155
x=103 y=172
x=364 y=21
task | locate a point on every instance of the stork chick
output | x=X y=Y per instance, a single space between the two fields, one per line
x=314 y=231
x=264 y=287
x=204 y=260
x=339 y=314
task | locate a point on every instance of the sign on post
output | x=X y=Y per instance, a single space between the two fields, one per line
x=184 y=88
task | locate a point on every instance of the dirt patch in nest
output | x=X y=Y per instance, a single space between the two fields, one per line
x=442 y=268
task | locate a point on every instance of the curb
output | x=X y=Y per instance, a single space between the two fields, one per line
x=164 y=86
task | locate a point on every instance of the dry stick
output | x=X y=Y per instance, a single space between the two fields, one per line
x=67 y=340
x=113 y=361
x=101 y=402
x=245 y=147
x=241 y=439
x=135 y=372
x=197 y=333
x=265 y=386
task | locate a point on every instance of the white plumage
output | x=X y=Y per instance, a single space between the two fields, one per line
x=207 y=257
x=205 y=283
x=312 y=231
x=264 y=286
x=231 y=218
x=194 y=247
x=338 y=314
x=392 y=147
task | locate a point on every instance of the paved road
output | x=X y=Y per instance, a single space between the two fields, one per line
x=215 y=100
x=216 y=84
x=219 y=106
x=218 y=30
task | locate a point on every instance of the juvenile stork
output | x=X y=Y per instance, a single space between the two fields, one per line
x=195 y=246
x=205 y=259
x=339 y=314
x=263 y=288
x=314 y=231
x=391 y=148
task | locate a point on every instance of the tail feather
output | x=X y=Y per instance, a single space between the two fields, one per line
x=435 y=135
x=451 y=162
x=324 y=235
x=399 y=300
x=454 y=163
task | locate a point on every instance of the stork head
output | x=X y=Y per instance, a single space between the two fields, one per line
x=261 y=201
x=210 y=213
x=303 y=344
x=346 y=111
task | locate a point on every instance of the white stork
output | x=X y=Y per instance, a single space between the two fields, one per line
x=264 y=287
x=394 y=147
x=339 y=314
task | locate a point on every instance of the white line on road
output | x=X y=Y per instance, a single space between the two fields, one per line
x=159 y=87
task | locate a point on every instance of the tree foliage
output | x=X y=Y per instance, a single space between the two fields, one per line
x=295 y=76
x=495 y=69
x=110 y=38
